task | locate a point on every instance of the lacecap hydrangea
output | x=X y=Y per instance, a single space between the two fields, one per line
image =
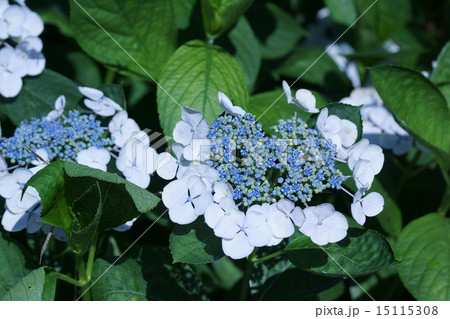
x=90 y=139
x=253 y=189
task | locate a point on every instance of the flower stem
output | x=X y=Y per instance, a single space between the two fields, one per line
x=247 y=275
x=68 y=279
x=109 y=76
x=91 y=257
x=275 y=254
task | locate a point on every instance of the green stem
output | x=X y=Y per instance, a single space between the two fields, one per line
x=247 y=275
x=91 y=258
x=68 y=279
x=109 y=76
x=83 y=276
x=278 y=253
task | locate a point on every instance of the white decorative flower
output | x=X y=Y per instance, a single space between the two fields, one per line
x=60 y=104
x=11 y=186
x=241 y=232
x=267 y=211
x=228 y=106
x=303 y=99
x=29 y=49
x=191 y=126
x=12 y=69
x=94 y=157
x=122 y=128
x=33 y=25
x=323 y=224
x=363 y=150
x=186 y=200
x=329 y=127
x=371 y=205
x=136 y=159
x=14 y=222
x=221 y=190
x=215 y=212
x=98 y=102
x=168 y=166
x=204 y=172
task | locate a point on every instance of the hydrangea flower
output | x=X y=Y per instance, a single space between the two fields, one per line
x=370 y=206
x=98 y=102
x=60 y=104
x=94 y=157
x=12 y=69
x=122 y=128
x=323 y=224
x=251 y=185
x=11 y=186
x=303 y=99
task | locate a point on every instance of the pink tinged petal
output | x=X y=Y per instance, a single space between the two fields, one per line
x=357 y=213
x=321 y=235
x=191 y=116
x=182 y=214
x=226 y=228
x=166 y=166
x=213 y=214
x=14 y=222
x=10 y=85
x=238 y=247
x=202 y=202
x=280 y=224
x=372 y=204
x=175 y=193
x=91 y=93
x=298 y=217
x=8 y=185
x=287 y=91
x=182 y=133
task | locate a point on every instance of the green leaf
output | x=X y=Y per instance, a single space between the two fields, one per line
x=135 y=38
x=54 y=15
x=269 y=107
x=219 y=15
x=416 y=103
x=362 y=252
x=342 y=12
x=14 y=264
x=194 y=75
x=441 y=74
x=227 y=271
x=277 y=31
x=81 y=200
x=130 y=279
x=33 y=287
x=248 y=54
x=305 y=63
x=86 y=71
x=423 y=248
x=116 y=93
x=183 y=10
x=385 y=17
x=195 y=244
x=38 y=95
x=445 y=90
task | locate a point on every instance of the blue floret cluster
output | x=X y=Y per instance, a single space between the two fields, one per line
x=295 y=164
x=62 y=138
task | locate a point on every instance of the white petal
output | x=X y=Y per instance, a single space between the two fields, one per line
x=348 y=133
x=287 y=91
x=112 y=104
x=280 y=224
x=213 y=214
x=285 y=205
x=372 y=204
x=14 y=222
x=337 y=225
x=321 y=119
x=307 y=100
x=228 y=106
x=221 y=190
x=226 y=228
x=201 y=130
x=310 y=224
x=323 y=211
x=8 y=185
x=182 y=133
x=357 y=213
x=333 y=124
x=238 y=247
x=10 y=84
x=33 y=23
x=191 y=116
x=321 y=235
x=175 y=193
x=202 y=202
x=166 y=166
x=183 y=214
x=22 y=175
x=374 y=154
x=259 y=236
x=91 y=93
x=298 y=217
x=138 y=178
